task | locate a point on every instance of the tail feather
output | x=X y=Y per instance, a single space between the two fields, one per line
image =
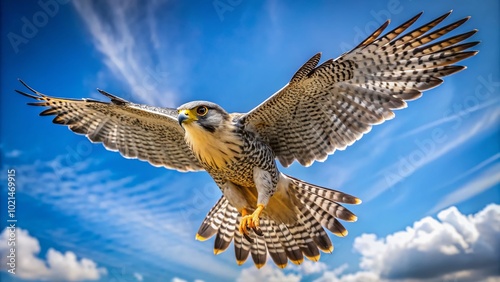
x=327 y=220
x=274 y=247
x=327 y=205
x=317 y=207
x=226 y=230
x=326 y=193
x=258 y=251
x=213 y=220
x=241 y=247
x=314 y=229
x=292 y=249
x=305 y=242
x=320 y=208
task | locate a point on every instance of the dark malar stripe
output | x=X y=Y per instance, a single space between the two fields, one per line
x=209 y=128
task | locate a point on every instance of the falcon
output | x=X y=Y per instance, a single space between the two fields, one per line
x=323 y=108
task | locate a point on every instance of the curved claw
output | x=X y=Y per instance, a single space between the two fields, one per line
x=251 y=221
x=246 y=221
x=249 y=239
x=258 y=231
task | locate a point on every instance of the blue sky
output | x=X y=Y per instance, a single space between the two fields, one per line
x=429 y=179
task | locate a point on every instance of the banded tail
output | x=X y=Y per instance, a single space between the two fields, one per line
x=318 y=208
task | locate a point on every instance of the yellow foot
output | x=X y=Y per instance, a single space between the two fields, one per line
x=251 y=221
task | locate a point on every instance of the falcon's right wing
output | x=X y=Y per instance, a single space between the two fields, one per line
x=137 y=131
x=328 y=107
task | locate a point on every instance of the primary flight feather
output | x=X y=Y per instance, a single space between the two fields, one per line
x=323 y=108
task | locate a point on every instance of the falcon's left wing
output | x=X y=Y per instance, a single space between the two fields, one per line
x=137 y=131
x=330 y=106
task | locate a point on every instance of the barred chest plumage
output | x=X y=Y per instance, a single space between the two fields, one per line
x=231 y=153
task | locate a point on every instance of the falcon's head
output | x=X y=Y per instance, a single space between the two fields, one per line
x=202 y=115
x=209 y=132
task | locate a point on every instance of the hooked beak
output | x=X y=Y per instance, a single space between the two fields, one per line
x=183 y=115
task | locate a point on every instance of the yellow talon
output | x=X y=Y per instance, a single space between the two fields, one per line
x=243 y=224
x=256 y=215
x=251 y=220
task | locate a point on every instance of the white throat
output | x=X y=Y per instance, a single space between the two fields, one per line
x=213 y=149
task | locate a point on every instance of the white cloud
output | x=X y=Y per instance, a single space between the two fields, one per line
x=268 y=273
x=452 y=247
x=138 y=276
x=365 y=276
x=310 y=267
x=56 y=267
x=177 y=279
x=132 y=54
x=335 y=276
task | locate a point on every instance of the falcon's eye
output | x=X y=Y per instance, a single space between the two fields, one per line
x=202 y=110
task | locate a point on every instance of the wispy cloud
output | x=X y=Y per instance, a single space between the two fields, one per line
x=131 y=53
x=474 y=169
x=453 y=117
x=13 y=153
x=138 y=276
x=409 y=164
x=137 y=219
x=488 y=179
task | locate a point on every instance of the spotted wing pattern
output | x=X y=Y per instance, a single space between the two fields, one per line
x=330 y=106
x=137 y=131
